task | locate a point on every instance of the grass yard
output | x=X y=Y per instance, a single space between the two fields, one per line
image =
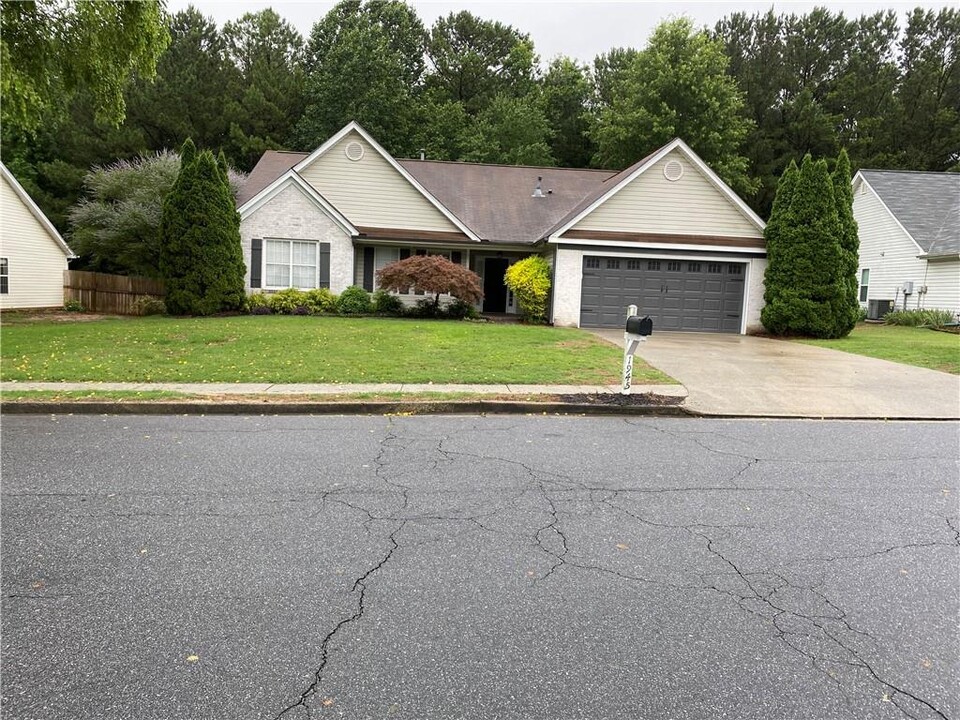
x=291 y=349
x=908 y=345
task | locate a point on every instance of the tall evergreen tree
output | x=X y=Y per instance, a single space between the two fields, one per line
x=849 y=244
x=200 y=255
x=773 y=233
x=809 y=297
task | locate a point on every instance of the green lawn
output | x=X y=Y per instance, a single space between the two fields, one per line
x=908 y=345
x=290 y=349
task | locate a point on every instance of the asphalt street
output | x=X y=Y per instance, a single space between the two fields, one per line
x=478 y=567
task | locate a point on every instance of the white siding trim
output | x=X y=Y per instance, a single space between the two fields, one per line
x=650 y=247
x=288 y=178
x=676 y=144
x=355 y=127
x=36 y=211
x=859 y=175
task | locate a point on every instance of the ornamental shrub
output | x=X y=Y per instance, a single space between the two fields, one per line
x=320 y=300
x=149 y=306
x=805 y=288
x=201 y=260
x=256 y=302
x=460 y=310
x=432 y=274
x=287 y=301
x=920 y=318
x=529 y=280
x=354 y=301
x=385 y=303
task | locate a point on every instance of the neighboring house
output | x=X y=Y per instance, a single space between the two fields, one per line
x=909 y=227
x=665 y=234
x=33 y=256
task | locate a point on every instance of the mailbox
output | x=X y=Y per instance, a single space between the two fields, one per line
x=637 y=325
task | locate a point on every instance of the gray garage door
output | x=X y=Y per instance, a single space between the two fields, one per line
x=678 y=294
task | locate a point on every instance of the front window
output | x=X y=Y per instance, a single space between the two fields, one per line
x=864 y=284
x=291 y=263
x=4 y=276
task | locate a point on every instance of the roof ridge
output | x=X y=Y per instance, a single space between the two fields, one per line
x=507 y=165
x=945 y=173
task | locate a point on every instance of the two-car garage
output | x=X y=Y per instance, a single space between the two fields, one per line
x=678 y=294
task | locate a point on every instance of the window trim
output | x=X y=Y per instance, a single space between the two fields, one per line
x=864 y=287
x=4 y=276
x=290 y=265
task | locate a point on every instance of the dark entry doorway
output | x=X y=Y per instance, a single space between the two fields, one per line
x=494 y=291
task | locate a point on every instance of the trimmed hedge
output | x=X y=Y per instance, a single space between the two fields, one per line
x=529 y=280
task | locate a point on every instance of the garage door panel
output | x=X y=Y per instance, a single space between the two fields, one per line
x=678 y=295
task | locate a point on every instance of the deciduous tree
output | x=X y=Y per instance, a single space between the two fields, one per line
x=432 y=274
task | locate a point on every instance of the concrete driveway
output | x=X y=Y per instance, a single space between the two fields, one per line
x=751 y=376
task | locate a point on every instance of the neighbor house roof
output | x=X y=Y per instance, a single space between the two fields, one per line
x=926 y=204
x=36 y=212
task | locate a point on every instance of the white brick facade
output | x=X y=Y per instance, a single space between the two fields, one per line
x=290 y=214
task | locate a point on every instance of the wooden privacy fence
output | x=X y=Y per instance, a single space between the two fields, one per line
x=112 y=294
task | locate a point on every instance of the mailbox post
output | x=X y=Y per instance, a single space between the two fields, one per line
x=637 y=330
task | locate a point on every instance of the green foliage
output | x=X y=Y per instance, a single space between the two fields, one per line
x=149 y=306
x=49 y=50
x=474 y=60
x=529 y=280
x=920 y=318
x=567 y=92
x=677 y=86
x=74 y=306
x=461 y=310
x=849 y=244
x=364 y=61
x=775 y=278
x=806 y=291
x=321 y=300
x=286 y=302
x=354 y=301
x=511 y=131
x=200 y=257
x=385 y=303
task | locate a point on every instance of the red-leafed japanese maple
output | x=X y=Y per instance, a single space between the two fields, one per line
x=432 y=274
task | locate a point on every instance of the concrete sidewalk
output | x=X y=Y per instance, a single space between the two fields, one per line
x=737 y=375
x=342 y=389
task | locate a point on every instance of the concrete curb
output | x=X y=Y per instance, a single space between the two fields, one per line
x=475 y=407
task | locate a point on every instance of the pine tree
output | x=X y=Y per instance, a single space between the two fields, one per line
x=849 y=243
x=201 y=259
x=808 y=296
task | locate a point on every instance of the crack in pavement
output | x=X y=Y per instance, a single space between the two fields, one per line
x=361 y=583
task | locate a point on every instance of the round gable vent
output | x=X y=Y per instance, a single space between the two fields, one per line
x=353 y=151
x=673 y=170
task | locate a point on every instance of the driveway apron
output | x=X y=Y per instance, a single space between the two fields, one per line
x=752 y=376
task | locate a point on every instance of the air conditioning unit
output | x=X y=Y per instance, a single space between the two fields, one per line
x=876 y=309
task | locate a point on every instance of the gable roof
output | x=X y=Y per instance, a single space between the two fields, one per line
x=496 y=201
x=36 y=211
x=926 y=204
x=619 y=181
x=290 y=177
x=271 y=165
x=354 y=126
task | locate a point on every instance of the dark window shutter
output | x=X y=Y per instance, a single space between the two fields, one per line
x=324 y=270
x=368 y=269
x=404 y=253
x=256 y=263
x=456 y=257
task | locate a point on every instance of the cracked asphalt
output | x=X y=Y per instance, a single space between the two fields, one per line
x=478 y=567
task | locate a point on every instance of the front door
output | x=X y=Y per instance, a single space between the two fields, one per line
x=494 y=290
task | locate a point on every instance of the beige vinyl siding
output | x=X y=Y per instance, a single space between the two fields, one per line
x=652 y=204
x=886 y=250
x=943 y=286
x=371 y=192
x=35 y=260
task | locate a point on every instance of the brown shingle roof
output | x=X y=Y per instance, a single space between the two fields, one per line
x=494 y=201
x=272 y=164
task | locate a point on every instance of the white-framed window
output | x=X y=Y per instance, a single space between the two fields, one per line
x=291 y=263
x=864 y=283
x=4 y=276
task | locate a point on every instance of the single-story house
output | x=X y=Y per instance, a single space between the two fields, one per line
x=909 y=228
x=665 y=234
x=33 y=255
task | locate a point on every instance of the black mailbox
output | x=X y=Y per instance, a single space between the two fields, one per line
x=639 y=325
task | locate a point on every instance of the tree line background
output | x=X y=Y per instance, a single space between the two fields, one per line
x=749 y=95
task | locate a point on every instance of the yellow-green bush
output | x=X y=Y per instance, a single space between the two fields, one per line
x=529 y=280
